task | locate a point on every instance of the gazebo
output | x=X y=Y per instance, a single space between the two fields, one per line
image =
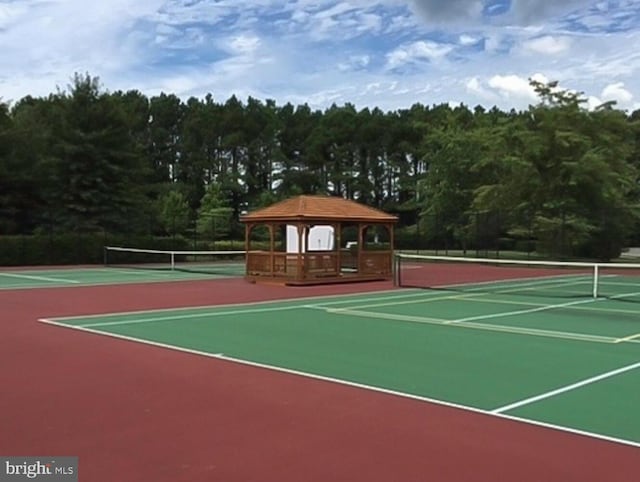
x=317 y=240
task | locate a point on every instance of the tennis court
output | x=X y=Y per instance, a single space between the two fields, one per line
x=130 y=265
x=474 y=364
x=573 y=365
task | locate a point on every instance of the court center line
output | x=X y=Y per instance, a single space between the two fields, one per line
x=628 y=338
x=38 y=278
x=568 y=388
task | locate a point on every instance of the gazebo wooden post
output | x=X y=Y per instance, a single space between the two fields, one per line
x=305 y=250
x=247 y=246
x=361 y=229
x=391 y=246
x=300 y=260
x=271 y=250
x=337 y=233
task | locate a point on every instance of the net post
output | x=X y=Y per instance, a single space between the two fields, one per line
x=104 y=255
x=173 y=261
x=394 y=268
x=595 y=279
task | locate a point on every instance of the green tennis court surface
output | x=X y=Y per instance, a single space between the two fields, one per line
x=20 y=279
x=573 y=364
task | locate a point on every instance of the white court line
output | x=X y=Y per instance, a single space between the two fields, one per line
x=134 y=272
x=628 y=338
x=420 y=293
x=189 y=316
x=514 y=330
x=193 y=315
x=562 y=280
x=348 y=383
x=476 y=292
x=348 y=298
x=568 y=388
x=38 y=278
x=522 y=312
x=580 y=308
x=424 y=299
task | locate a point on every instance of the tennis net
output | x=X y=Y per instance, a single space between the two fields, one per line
x=227 y=263
x=527 y=277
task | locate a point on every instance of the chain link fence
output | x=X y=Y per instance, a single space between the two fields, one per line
x=496 y=234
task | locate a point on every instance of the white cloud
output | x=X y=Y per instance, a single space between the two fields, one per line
x=11 y=13
x=319 y=51
x=515 y=86
x=547 y=45
x=417 y=52
x=244 y=44
x=593 y=102
x=465 y=39
x=617 y=92
x=475 y=87
x=354 y=62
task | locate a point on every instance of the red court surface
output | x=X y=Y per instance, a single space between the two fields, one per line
x=134 y=412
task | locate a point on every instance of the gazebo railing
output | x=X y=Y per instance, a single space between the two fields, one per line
x=265 y=263
x=320 y=264
x=374 y=262
x=310 y=265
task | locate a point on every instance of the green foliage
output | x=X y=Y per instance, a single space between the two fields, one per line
x=174 y=212
x=554 y=170
x=215 y=218
x=562 y=178
x=74 y=248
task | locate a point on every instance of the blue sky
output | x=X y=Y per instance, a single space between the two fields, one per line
x=388 y=53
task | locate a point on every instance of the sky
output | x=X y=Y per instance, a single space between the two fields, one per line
x=389 y=54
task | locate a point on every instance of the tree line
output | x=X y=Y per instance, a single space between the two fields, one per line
x=89 y=160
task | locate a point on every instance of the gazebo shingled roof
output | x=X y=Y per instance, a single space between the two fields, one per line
x=312 y=208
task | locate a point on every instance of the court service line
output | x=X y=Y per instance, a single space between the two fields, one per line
x=568 y=388
x=420 y=293
x=581 y=308
x=522 y=312
x=38 y=278
x=539 y=309
x=476 y=292
x=514 y=330
x=347 y=383
x=180 y=316
x=396 y=303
